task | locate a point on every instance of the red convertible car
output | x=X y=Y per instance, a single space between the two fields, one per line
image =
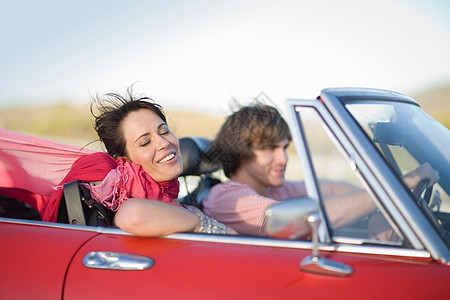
x=364 y=137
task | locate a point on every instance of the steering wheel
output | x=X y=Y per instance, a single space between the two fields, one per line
x=418 y=190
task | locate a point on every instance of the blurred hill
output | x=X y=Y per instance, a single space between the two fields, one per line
x=436 y=102
x=61 y=123
x=73 y=124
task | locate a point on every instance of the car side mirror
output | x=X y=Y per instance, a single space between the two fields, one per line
x=295 y=219
x=288 y=219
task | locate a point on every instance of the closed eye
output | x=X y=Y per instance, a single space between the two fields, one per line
x=164 y=129
x=144 y=143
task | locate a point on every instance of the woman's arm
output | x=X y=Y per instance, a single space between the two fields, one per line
x=144 y=217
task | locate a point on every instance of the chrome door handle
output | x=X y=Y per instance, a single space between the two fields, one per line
x=117 y=261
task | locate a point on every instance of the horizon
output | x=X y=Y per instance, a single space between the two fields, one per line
x=200 y=55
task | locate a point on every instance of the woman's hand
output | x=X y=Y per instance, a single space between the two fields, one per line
x=207 y=224
x=231 y=231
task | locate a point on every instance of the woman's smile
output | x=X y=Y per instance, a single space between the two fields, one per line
x=167 y=158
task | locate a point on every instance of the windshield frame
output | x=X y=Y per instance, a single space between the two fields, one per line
x=407 y=137
x=334 y=100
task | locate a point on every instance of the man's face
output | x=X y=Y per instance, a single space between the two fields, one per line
x=268 y=166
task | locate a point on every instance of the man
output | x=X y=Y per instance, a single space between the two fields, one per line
x=251 y=146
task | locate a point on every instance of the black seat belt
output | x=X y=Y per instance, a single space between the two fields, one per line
x=72 y=198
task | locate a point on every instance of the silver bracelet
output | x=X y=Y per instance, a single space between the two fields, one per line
x=207 y=224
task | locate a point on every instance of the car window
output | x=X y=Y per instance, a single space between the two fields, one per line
x=407 y=137
x=337 y=180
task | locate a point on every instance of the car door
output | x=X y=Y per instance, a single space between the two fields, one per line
x=196 y=266
x=189 y=266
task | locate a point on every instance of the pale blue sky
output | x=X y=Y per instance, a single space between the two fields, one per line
x=200 y=54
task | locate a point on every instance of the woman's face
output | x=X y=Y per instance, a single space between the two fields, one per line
x=150 y=143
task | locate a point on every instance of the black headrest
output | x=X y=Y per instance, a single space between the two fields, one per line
x=195 y=161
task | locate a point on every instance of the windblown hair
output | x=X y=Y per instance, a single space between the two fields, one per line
x=256 y=126
x=111 y=111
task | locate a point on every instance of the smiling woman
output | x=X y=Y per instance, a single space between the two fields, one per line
x=143 y=162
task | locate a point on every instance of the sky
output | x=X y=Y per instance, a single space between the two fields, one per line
x=199 y=54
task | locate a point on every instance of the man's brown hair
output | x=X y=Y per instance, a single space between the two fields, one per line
x=255 y=126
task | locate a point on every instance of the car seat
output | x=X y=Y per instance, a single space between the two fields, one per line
x=197 y=162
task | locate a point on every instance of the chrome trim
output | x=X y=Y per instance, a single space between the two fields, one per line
x=365 y=174
x=373 y=168
x=412 y=219
x=242 y=240
x=373 y=94
x=306 y=165
x=383 y=250
x=315 y=263
x=117 y=261
x=268 y=242
x=52 y=225
x=363 y=161
x=323 y=266
x=353 y=157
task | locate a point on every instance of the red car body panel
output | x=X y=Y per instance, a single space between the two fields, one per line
x=39 y=257
x=187 y=269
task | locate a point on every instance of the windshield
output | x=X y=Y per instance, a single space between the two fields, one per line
x=408 y=137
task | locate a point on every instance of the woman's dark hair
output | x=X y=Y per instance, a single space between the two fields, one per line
x=111 y=111
x=256 y=126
